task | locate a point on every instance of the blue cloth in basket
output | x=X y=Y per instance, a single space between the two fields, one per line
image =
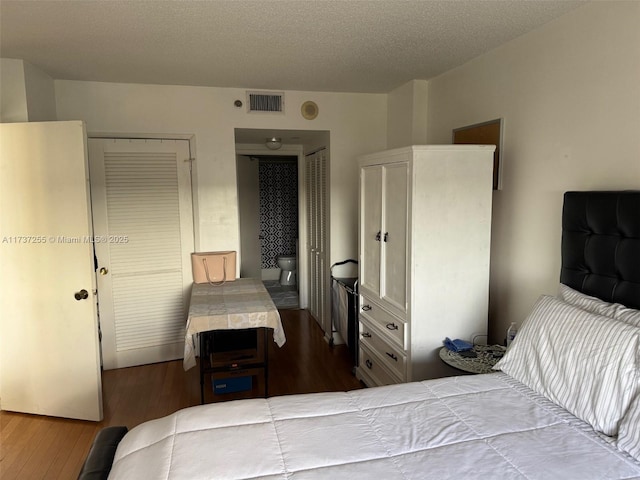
x=457 y=345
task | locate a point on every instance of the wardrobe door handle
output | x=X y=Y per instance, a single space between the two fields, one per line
x=392 y=326
x=386 y=236
x=366 y=334
x=366 y=308
x=369 y=364
x=378 y=236
x=394 y=357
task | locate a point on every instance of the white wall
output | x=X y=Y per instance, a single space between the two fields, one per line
x=248 y=176
x=569 y=94
x=357 y=124
x=41 y=101
x=13 y=93
x=26 y=93
x=407 y=114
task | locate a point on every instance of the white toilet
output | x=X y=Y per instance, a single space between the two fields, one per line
x=287 y=265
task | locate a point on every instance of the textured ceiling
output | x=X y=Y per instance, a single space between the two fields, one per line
x=330 y=45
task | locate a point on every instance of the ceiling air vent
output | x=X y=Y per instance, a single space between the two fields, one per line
x=265 y=101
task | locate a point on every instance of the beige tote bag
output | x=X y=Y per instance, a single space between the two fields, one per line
x=214 y=268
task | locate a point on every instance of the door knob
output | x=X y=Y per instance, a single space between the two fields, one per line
x=103 y=271
x=81 y=295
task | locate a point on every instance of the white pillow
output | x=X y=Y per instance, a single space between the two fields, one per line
x=627 y=315
x=587 y=363
x=595 y=305
x=586 y=302
x=629 y=433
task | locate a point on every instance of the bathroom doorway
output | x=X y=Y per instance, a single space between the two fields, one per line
x=268 y=207
x=294 y=143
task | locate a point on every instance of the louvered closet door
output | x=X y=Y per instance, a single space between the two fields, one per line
x=141 y=198
x=316 y=234
x=321 y=240
x=310 y=207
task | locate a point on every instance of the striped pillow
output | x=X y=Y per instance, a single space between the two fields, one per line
x=595 y=305
x=586 y=302
x=627 y=315
x=587 y=363
x=629 y=433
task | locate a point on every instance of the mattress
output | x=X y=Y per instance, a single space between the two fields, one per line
x=481 y=426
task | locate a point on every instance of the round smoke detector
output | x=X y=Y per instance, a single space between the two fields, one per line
x=309 y=110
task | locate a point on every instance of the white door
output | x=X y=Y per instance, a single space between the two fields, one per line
x=383 y=232
x=142 y=212
x=316 y=183
x=49 y=347
x=393 y=288
x=370 y=228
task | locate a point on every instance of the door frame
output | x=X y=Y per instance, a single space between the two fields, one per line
x=289 y=150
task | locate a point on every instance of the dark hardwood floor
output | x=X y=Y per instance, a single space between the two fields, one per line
x=37 y=447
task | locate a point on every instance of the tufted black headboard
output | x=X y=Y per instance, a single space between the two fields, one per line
x=601 y=245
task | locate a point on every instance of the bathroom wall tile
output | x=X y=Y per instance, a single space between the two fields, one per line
x=278 y=210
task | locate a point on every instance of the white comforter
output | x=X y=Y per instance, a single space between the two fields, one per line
x=482 y=426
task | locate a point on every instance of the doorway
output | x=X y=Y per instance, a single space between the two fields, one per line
x=268 y=208
x=299 y=143
x=142 y=208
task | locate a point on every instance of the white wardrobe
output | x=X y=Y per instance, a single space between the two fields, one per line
x=424 y=244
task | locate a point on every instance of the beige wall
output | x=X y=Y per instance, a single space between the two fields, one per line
x=41 y=97
x=356 y=122
x=569 y=94
x=407 y=114
x=13 y=93
x=26 y=93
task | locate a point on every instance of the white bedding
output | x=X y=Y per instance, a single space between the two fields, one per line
x=482 y=426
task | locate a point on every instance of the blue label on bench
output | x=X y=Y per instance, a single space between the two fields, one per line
x=231 y=385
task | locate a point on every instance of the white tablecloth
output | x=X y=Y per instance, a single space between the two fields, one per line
x=243 y=303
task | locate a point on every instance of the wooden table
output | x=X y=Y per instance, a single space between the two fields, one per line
x=241 y=304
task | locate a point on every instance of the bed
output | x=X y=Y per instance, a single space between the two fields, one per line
x=563 y=403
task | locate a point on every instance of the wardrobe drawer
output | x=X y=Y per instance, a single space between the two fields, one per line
x=393 y=327
x=374 y=368
x=394 y=357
